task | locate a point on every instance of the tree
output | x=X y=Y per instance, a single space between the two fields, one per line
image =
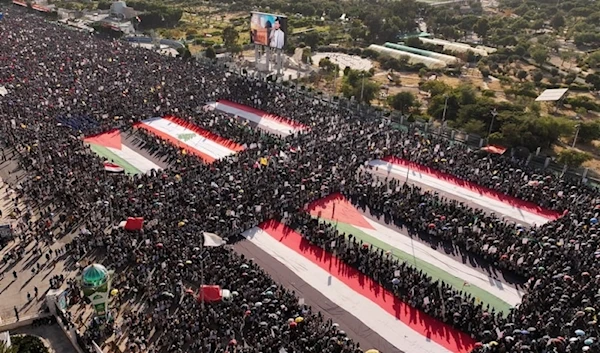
x=210 y=53
x=230 y=37
x=312 y=39
x=481 y=27
x=558 y=21
x=594 y=80
x=306 y=55
x=402 y=101
x=184 y=52
x=588 y=131
x=539 y=54
x=28 y=344
x=565 y=55
x=521 y=75
x=593 y=59
x=6 y=349
x=537 y=76
x=572 y=158
x=448 y=103
x=356 y=83
x=435 y=88
x=474 y=126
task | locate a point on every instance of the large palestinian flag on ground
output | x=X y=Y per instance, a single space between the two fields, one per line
x=396 y=327
x=479 y=196
x=121 y=153
x=257 y=118
x=191 y=138
x=336 y=210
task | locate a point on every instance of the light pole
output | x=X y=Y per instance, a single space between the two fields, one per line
x=494 y=114
x=444 y=114
x=577 y=127
x=362 y=87
x=445 y=108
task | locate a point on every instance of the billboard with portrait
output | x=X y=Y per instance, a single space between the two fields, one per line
x=268 y=30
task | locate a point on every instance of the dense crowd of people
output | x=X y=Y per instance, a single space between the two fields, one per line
x=64 y=84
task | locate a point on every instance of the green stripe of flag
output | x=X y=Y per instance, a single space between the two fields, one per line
x=111 y=156
x=433 y=271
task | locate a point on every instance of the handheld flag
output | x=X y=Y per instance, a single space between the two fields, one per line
x=212 y=240
x=113 y=168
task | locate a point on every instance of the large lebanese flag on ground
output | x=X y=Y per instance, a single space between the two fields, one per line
x=502 y=204
x=350 y=220
x=406 y=328
x=120 y=153
x=194 y=139
x=263 y=120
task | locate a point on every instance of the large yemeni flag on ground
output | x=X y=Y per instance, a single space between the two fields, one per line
x=407 y=329
x=502 y=204
x=119 y=152
x=194 y=139
x=258 y=118
x=348 y=219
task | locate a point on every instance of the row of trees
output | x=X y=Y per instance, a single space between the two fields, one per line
x=511 y=124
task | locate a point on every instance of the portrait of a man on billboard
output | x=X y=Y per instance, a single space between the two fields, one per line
x=268 y=30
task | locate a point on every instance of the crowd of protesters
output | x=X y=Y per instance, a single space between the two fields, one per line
x=63 y=84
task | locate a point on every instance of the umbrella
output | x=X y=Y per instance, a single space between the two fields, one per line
x=244 y=266
x=189 y=291
x=188 y=262
x=589 y=309
x=159 y=245
x=233 y=342
x=372 y=351
x=114 y=292
x=299 y=319
x=588 y=342
x=167 y=294
x=579 y=332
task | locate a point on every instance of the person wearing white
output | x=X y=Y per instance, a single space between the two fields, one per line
x=277 y=38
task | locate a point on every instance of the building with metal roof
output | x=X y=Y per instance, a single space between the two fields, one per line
x=412 y=58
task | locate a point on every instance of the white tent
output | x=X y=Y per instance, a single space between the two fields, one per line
x=412 y=58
